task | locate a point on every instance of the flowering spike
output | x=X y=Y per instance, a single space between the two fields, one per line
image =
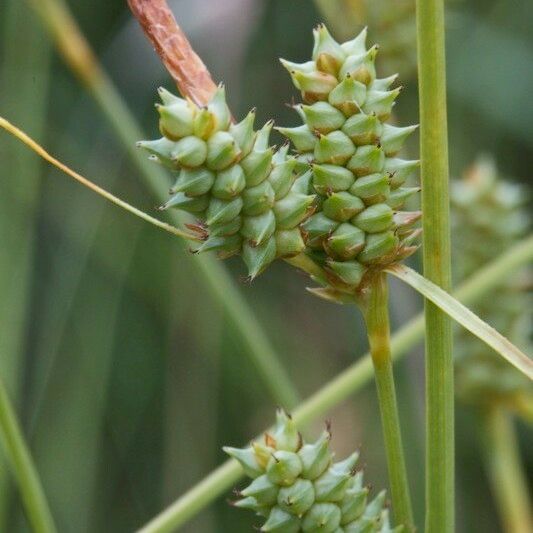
x=489 y=215
x=302 y=490
x=356 y=175
x=231 y=179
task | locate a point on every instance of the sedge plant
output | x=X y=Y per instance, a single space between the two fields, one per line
x=332 y=209
x=491 y=212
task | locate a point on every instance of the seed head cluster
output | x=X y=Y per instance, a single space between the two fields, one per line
x=337 y=198
x=489 y=215
x=244 y=195
x=351 y=152
x=298 y=486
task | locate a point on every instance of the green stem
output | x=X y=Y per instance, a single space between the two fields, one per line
x=24 y=84
x=76 y=52
x=466 y=318
x=376 y=315
x=339 y=388
x=24 y=471
x=437 y=266
x=502 y=459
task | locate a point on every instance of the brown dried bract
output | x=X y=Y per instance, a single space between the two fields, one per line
x=182 y=62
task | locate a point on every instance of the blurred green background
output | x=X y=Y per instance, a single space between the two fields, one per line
x=127 y=377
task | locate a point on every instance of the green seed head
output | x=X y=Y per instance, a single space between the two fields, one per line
x=352 y=153
x=242 y=192
x=489 y=214
x=297 y=487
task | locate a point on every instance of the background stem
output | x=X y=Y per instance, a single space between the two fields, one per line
x=24 y=83
x=31 y=491
x=502 y=459
x=377 y=321
x=437 y=266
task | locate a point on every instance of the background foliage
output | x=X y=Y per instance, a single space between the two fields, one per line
x=127 y=378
